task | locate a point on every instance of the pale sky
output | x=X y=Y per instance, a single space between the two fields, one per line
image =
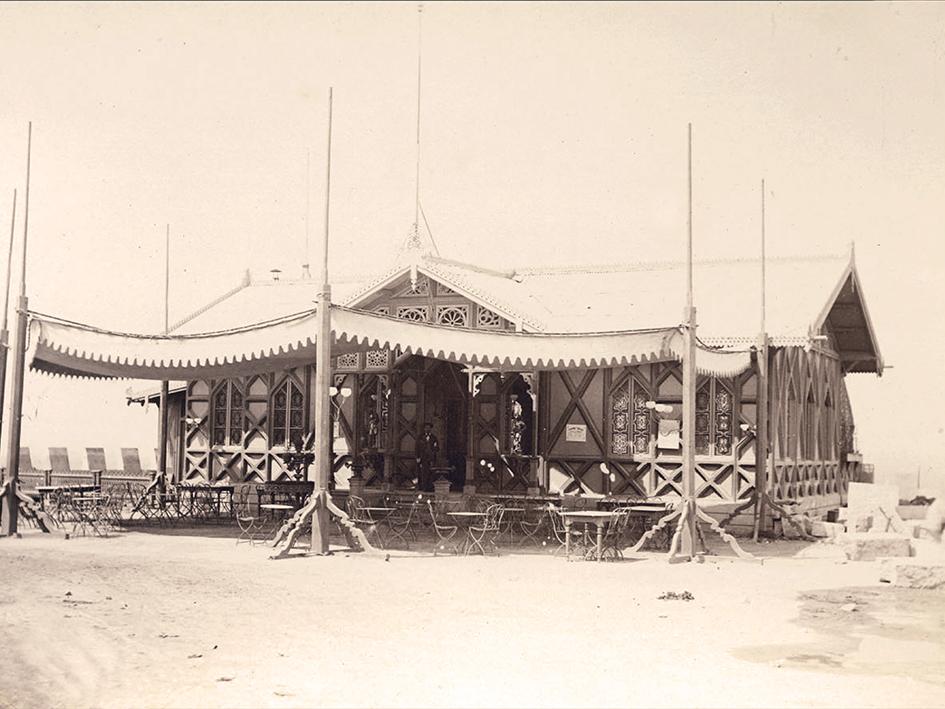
x=551 y=134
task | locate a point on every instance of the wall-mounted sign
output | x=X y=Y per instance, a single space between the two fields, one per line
x=576 y=432
x=668 y=437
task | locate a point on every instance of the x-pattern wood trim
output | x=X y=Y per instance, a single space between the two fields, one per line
x=576 y=392
x=630 y=477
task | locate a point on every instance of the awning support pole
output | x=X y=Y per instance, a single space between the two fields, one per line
x=4 y=333
x=687 y=512
x=162 y=432
x=11 y=500
x=323 y=431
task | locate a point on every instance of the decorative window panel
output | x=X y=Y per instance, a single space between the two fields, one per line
x=703 y=405
x=723 y=420
x=349 y=360
x=444 y=290
x=641 y=422
x=417 y=313
x=382 y=310
x=620 y=422
x=516 y=426
x=453 y=315
x=487 y=319
x=376 y=359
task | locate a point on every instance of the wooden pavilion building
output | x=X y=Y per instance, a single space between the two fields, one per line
x=582 y=422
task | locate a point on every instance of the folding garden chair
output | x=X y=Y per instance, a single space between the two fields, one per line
x=445 y=533
x=249 y=523
x=486 y=531
x=363 y=520
x=403 y=522
x=614 y=540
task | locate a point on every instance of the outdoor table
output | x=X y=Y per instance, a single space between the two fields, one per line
x=217 y=499
x=465 y=520
x=597 y=517
x=294 y=492
x=47 y=491
x=274 y=509
x=648 y=513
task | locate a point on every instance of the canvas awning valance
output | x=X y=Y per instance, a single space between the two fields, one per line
x=73 y=349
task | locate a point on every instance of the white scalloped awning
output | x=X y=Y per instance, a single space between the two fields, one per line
x=72 y=349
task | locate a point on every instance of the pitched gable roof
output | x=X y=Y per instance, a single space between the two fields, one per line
x=805 y=295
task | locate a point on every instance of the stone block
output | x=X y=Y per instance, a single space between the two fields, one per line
x=915 y=574
x=826 y=530
x=861 y=546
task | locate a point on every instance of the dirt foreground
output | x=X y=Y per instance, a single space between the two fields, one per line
x=156 y=620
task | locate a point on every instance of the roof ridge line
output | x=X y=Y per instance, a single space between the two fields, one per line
x=246 y=281
x=510 y=274
x=657 y=265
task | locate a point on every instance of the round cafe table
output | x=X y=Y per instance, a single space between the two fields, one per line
x=600 y=518
x=465 y=520
x=277 y=512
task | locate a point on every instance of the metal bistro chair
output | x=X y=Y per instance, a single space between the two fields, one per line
x=249 y=523
x=615 y=534
x=486 y=531
x=445 y=533
x=89 y=512
x=404 y=521
x=532 y=522
x=362 y=520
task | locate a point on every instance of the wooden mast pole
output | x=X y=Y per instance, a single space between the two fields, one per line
x=416 y=206
x=11 y=498
x=4 y=333
x=687 y=521
x=761 y=429
x=162 y=435
x=687 y=513
x=322 y=426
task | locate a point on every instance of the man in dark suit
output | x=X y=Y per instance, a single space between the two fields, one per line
x=428 y=448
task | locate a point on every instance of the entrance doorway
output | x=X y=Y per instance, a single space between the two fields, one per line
x=444 y=406
x=435 y=392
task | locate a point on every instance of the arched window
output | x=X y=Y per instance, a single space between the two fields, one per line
x=810 y=428
x=288 y=413
x=227 y=426
x=790 y=438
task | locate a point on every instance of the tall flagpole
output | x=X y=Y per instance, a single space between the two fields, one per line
x=323 y=378
x=687 y=522
x=761 y=429
x=687 y=514
x=306 y=272
x=416 y=206
x=162 y=435
x=4 y=333
x=11 y=498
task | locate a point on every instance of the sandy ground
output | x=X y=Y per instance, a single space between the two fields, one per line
x=182 y=620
